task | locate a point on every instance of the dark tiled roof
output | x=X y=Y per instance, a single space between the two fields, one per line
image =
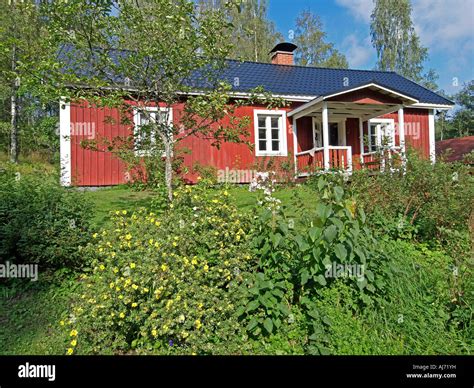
x=316 y=81
x=455 y=149
x=282 y=79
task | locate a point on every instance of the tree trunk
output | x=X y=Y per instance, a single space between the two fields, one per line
x=14 y=113
x=169 y=168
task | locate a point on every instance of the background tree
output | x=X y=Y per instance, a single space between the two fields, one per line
x=463 y=119
x=251 y=34
x=313 y=50
x=398 y=46
x=21 y=31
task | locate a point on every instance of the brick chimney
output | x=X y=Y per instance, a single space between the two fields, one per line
x=282 y=53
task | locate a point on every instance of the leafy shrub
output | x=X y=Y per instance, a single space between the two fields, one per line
x=296 y=261
x=166 y=284
x=41 y=222
x=423 y=203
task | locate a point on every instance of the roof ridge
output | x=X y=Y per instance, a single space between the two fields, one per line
x=311 y=67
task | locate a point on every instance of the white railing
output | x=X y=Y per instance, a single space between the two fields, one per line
x=340 y=157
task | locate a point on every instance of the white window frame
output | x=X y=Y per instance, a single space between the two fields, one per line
x=283 y=151
x=390 y=123
x=136 y=122
x=341 y=129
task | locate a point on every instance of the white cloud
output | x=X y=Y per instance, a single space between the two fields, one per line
x=357 y=53
x=361 y=9
x=443 y=24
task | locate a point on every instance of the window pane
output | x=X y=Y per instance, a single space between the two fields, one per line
x=262 y=133
x=261 y=121
x=275 y=134
x=262 y=145
x=275 y=145
x=275 y=122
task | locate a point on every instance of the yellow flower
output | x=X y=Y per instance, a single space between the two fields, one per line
x=157 y=223
x=73 y=342
x=150 y=241
x=102 y=267
x=61 y=323
x=198 y=324
x=115 y=269
x=111 y=285
x=132 y=265
x=70 y=351
x=134 y=304
x=122 y=315
x=128 y=236
x=206 y=268
x=194 y=261
x=134 y=286
x=73 y=333
x=124 y=212
x=181 y=318
x=164 y=267
x=94 y=235
x=226 y=193
x=154 y=332
x=145 y=289
x=174 y=244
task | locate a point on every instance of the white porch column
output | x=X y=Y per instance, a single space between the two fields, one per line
x=325 y=135
x=361 y=140
x=295 y=145
x=401 y=136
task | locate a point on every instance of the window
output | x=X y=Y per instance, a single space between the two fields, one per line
x=380 y=133
x=270 y=132
x=372 y=137
x=145 y=138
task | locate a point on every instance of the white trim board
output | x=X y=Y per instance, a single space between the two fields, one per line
x=65 y=142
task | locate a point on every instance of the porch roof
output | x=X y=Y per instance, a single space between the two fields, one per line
x=343 y=104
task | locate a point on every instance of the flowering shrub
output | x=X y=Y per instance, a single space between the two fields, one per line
x=164 y=284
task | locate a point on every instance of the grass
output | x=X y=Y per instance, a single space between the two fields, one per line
x=30 y=313
x=124 y=198
x=115 y=198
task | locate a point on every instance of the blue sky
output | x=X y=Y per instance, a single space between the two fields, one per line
x=446 y=27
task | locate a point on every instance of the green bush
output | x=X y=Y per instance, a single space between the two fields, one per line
x=166 y=284
x=41 y=222
x=425 y=203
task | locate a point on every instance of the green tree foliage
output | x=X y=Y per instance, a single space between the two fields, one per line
x=251 y=34
x=463 y=119
x=30 y=126
x=313 y=50
x=102 y=38
x=398 y=46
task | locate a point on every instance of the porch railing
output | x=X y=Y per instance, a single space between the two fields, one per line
x=307 y=162
x=390 y=158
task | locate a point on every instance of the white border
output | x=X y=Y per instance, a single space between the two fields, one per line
x=65 y=142
x=283 y=146
x=432 y=140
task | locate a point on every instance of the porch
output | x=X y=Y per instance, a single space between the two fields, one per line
x=353 y=129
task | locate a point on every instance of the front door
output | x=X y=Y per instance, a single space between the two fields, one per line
x=333 y=134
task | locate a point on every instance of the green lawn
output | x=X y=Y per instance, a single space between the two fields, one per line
x=125 y=198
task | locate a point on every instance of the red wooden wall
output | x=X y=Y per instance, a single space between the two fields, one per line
x=93 y=168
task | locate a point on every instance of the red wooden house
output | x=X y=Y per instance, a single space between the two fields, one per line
x=336 y=119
